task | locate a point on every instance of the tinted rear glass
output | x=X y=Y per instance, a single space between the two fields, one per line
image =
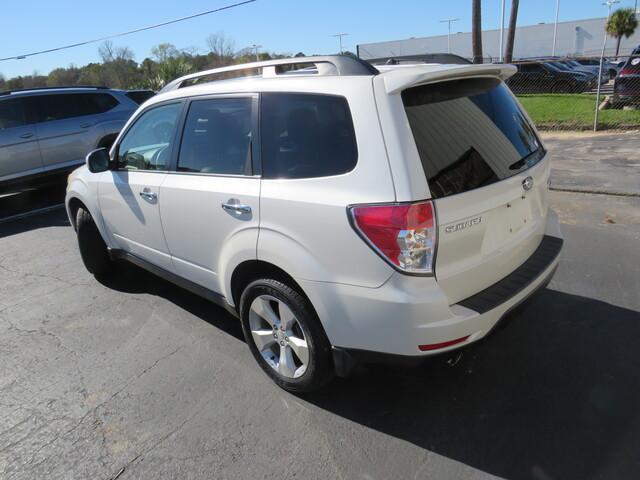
x=306 y=135
x=94 y=103
x=140 y=96
x=469 y=134
x=60 y=106
x=12 y=114
x=57 y=106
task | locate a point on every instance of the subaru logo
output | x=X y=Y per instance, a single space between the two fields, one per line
x=527 y=183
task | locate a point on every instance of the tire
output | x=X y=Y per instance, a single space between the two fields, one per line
x=93 y=250
x=277 y=321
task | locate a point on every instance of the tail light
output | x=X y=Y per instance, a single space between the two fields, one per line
x=629 y=71
x=402 y=234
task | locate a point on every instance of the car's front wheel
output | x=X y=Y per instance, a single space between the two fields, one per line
x=285 y=336
x=93 y=250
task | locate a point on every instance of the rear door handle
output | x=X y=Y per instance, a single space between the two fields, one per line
x=27 y=135
x=85 y=125
x=234 y=206
x=147 y=194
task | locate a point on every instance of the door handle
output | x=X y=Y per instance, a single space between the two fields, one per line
x=27 y=135
x=148 y=194
x=85 y=125
x=234 y=206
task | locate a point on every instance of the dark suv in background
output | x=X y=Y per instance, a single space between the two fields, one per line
x=626 y=89
x=545 y=77
x=50 y=130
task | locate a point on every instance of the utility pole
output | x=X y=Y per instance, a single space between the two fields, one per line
x=449 y=21
x=501 y=56
x=555 y=28
x=340 y=35
x=255 y=49
x=609 y=4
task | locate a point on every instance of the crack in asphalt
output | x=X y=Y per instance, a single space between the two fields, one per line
x=153 y=446
x=41 y=275
x=82 y=419
x=594 y=192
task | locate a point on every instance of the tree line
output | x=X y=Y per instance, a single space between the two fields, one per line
x=118 y=68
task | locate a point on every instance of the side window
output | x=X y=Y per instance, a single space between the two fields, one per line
x=306 y=135
x=147 y=144
x=94 y=103
x=57 y=107
x=12 y=114
x=217 y=137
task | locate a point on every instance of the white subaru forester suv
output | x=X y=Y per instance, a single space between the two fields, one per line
x=345 y=214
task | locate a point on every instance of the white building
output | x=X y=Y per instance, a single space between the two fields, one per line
x=575 y=38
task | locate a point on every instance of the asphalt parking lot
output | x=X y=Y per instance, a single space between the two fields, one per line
x=130 y=377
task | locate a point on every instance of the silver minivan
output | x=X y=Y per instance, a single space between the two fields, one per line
x=50 y=130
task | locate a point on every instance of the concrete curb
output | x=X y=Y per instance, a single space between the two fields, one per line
x=594 y=192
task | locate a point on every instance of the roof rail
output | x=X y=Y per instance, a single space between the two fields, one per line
x=70 y=87
x=326 y=65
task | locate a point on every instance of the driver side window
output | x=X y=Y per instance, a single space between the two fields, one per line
x=147 y=144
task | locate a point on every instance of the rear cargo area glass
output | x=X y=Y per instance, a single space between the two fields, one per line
x=469 y=133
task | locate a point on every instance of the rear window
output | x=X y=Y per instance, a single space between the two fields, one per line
x=94 y=103
x=12 y=114
x=306 y=135
x=140 y=96
x=60 y=106
x=469 y=133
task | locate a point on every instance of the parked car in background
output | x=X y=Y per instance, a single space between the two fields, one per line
x=568 y=67
x=626 y=89
x=45 y=131
x=344 y=213
x=545 y=77
x=608 y=66
x=589 y=69
x=427 y=58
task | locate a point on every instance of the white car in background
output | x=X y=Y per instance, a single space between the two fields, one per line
x=342 y=213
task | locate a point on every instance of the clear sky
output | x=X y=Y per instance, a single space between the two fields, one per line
x=279 y=25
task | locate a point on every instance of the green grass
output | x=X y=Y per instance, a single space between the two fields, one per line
x=575 y=112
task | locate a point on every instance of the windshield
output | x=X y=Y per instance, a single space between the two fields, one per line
x=561 y=66
x=554 y=66
x=469 y=133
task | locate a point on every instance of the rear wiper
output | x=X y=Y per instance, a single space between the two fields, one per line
x=518 y=165
x=523 y=161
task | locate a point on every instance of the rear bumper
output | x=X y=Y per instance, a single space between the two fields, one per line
x=345 y=359
x=388 y=324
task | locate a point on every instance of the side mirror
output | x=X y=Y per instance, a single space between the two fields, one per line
x=98 y=160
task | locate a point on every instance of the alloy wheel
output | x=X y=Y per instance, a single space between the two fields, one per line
x=279 y=336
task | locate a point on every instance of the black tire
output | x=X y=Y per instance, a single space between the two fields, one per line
x=319 y=369
x=93 y=250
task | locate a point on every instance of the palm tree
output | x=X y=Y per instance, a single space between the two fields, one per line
x=508 y=53
x=476 y=35
x=622 y=23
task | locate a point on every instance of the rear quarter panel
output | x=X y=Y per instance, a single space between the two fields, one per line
x=304 y=227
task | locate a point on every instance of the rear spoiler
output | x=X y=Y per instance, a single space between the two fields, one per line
x=396 y=80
